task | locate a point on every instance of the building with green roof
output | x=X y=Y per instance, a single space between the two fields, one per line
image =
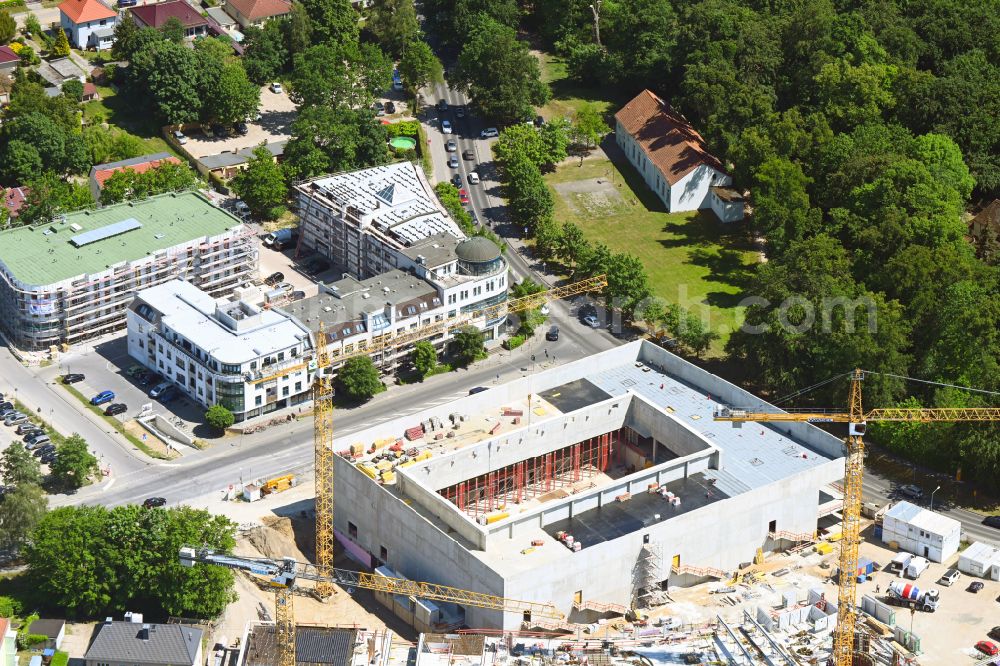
x=72 y=279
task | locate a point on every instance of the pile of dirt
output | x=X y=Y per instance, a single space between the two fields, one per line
x=277 y=538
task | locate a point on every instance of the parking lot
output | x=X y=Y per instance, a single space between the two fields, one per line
x=284 y=261
x=277 y=112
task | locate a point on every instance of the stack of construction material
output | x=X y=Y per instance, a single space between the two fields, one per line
x=415 y=433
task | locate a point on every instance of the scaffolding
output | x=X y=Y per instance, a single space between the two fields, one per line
x=648 y=575
x=534 y=477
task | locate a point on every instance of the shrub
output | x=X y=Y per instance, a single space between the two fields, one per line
x=513 y=342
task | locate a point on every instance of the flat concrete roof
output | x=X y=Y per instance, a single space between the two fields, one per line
x=43 y=254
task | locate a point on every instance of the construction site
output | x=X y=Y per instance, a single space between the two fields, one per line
x=591 y=486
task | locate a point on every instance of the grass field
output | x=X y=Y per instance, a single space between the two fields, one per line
x=691 y=258
x=116 y=111
x=568 y=96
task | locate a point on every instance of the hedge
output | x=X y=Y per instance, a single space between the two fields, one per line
x=12 y=4
x=513 y=342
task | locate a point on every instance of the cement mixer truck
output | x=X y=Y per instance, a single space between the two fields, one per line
x=901 y=593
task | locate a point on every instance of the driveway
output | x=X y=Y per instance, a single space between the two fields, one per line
x=277 y=112
x=284 y=261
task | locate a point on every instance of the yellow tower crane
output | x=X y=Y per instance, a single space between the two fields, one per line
x=283 y=575
x=322 y=393
x=856 y=418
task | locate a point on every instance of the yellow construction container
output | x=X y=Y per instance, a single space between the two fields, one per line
x=385 y=464
x=408 y=463
x=388 y=476
x=527 y=551
x=382 y=443
x=824 y=548
x=834 y=538
x=278 y=483
x=423 y=455
x=368 y=470
x=496 y=517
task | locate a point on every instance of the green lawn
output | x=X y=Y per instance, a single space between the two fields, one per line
x=568 y=96
x=117 y=111
x=692 y=259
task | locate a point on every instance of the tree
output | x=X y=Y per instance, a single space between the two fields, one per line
x=129 y=185
x=21 y=162
x=345 y=75
x=588 y=127
x=359 y=379
x=326 y=140
x=32 y=27
x=548 y=236
x=262 y=185
x=74 y=462
x=110 y=144
x=173 y=30
x=333 y=21
x=73 y=90
x=8 y=26
x=499 y=72
x=297 y=29
x=628 y=284
x=232 y=97
x=394 y=24
x=555 y=139
x=267 y=54
x=49 y=196
x=60 y=49
x=19 y=467
x=219 y=417
x=20 y=511
x=573 y=245
x=467 y=345
x=79 y=556
x=424 y=358
x=418 y=66
x=173 y=76
x=531 y=319
x=782 y=208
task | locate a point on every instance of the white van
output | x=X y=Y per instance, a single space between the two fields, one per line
x=900 y=562
x=917 y=566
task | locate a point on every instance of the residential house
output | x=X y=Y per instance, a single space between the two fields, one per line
x=988 y=217
x=673 y=159
x=156 y=16
x=8 y=643
x=90 y=92
x=53 y=630
x=59 y=71
x=14 y=199
x=99 y=173
x=88 y=23
x=219 y=15
x=9 y=61
x=256 y=12
x=127 y=643
x=228 y=164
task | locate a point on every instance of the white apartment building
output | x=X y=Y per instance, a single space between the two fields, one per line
x=212 y=350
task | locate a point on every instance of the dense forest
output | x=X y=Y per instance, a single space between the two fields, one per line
x=864 y=130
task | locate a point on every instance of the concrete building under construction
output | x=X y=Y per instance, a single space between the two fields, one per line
x=72 y=279
x=591 y=485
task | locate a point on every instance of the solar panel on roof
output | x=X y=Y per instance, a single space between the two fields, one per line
x=105 y=232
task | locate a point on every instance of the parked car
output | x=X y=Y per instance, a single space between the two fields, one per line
x=102 y=397
x=459 y=111
x=463 y=196
x=453 y=161
x=446 y=126
x=442 y=105
x=317 y=266
x=975 y=586
x=552 y=334
x=592 y=321
x=43 y=450
x=159 y=389
x=450 y=145
x=298 y=295
x=477 y=389
x=25 y=428
x=274 y=278
x=241 y=128
x=473 y=178
x=48 y=458
x=153 y=502
x=390 y=107
x=116 y=409
x=241 y=209
x=456 y=180
x=992 y=521
x=15 y=419
x=378 y=108
x=135 y=370
x=148 y=377
x=73 y=378
x=178 y=135
x=276 y=88
x=281 y=238
x=489 y=133
x=949 y=577
x=994 y=633
x=988 y=648
x=219 y=130
x=279 y=290
x=911 y=491
x=37 y=440
x=468 y=155
x=6 y=405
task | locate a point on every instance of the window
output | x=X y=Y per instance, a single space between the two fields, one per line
x=284 y=391
x=383 y=553
x=298 y=386
x=352 y=530
x=257 y=401
x=772 y=526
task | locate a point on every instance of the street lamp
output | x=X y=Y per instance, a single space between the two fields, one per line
x=932 y=496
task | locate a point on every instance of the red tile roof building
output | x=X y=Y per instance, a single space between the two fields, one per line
x=101 y=172
x=673 y=159
x=156 y=16
x=14 y=199
x=256 y=12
